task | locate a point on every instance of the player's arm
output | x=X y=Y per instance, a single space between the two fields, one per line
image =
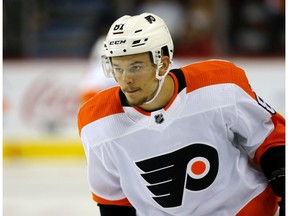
x=112 y=210
x=273 y=165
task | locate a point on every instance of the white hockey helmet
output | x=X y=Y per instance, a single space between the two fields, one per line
x=137 y=34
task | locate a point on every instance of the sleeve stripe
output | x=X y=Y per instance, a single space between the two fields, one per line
x=276 y=138
x=100 y=200
x=253 y=207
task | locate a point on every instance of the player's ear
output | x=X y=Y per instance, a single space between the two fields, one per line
x=165 y=61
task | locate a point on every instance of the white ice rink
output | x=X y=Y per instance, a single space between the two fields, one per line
x=47 y=188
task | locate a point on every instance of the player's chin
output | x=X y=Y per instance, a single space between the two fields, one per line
x=136 y=101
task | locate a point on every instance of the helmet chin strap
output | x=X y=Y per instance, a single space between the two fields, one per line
x=160 y=83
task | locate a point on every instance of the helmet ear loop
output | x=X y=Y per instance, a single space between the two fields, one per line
x=159 y=65
x=160 y=81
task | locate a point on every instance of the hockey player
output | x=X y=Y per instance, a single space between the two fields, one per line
x=196 y=140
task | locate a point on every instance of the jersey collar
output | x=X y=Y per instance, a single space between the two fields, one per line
x=163 y=116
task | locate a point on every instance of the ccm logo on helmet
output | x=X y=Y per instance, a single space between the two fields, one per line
x=117 y=42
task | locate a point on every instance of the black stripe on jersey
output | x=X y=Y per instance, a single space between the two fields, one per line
x=180 y=77
x=123 y=99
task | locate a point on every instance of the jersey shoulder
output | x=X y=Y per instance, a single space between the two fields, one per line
x=103 y=104
x=213 y=72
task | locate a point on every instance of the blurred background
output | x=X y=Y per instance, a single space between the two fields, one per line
x=51 y=66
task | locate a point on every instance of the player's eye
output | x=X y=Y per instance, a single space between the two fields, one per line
x=136 y=68
x=118 y=70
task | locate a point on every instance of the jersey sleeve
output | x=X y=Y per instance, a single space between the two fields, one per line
x=103 y=179
x=258 y=126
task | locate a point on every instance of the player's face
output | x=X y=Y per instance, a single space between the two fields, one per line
x=136 y=77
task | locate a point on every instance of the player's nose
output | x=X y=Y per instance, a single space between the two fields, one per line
x=127 y=78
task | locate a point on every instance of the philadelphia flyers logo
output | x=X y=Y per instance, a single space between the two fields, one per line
x=150 y=19
x=191 y=168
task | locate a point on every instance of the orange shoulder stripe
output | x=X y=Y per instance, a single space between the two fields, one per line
x=103 y=104
x=100 y=200
x=214 y=72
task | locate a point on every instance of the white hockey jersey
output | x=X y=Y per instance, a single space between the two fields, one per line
x=199 y=155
